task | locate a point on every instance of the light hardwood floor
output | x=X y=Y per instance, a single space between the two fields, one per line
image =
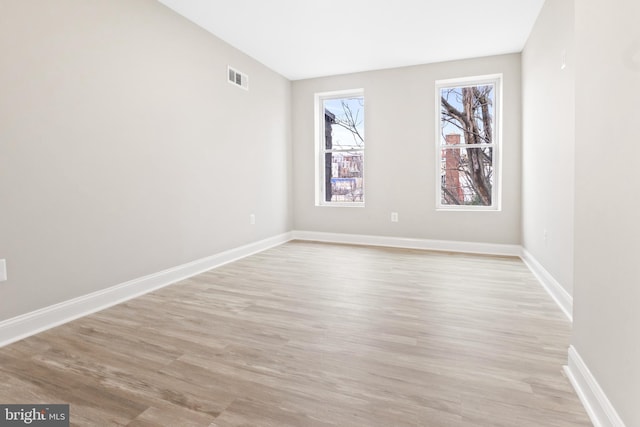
x=311 y=334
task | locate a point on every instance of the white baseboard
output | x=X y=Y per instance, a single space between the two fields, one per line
x=600 y=410
x=562 y=298
x=20 y=327
x=28 y=324
x=409 y=243
x=594 y=400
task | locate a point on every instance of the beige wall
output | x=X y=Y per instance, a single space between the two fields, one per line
x=400 y=156
x=577 y=182
x=548 y=141
x=124 y=151
x=606 y=327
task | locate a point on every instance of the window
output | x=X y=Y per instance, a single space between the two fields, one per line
x=340 y=148
x=468 y=142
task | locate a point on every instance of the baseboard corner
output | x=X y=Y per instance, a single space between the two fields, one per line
x=561 y=297
x=600 y=410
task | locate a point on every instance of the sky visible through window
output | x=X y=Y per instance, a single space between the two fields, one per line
x=344 y=149
x=453 y=95
x=342 y=137
x=467 y=117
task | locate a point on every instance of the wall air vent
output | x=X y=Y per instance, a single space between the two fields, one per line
x=237 y=78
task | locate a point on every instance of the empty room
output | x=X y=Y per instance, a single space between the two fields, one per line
x=345 y=213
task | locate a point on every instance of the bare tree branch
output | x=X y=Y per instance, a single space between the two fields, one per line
x=474 y=120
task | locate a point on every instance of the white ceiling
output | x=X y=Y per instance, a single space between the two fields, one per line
x=301 y=38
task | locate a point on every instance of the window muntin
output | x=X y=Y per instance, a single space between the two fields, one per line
x=468 y=143
x=340 y=148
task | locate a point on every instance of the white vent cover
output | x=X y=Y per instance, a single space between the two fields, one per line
x=237 y=78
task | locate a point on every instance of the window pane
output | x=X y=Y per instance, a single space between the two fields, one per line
x=468 y=140
x=466 y=115
x=344 y=123
x=466 y=176
x=341 y=148
x=345 y=182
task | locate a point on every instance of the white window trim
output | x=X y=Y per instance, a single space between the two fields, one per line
x=496 y=199
x=319 y=149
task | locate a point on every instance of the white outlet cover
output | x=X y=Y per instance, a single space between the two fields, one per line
x=3 y=270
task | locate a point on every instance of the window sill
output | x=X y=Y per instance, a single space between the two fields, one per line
x=468 y=209
x=341 y=205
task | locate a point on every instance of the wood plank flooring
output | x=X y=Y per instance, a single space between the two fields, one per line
x=311 y=334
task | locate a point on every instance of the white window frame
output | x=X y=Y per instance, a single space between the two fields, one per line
x=319 y=99
x=496 y=196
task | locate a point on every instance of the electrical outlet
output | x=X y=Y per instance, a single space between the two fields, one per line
x=252 y=219
x=394 y=216
x=3 y=270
